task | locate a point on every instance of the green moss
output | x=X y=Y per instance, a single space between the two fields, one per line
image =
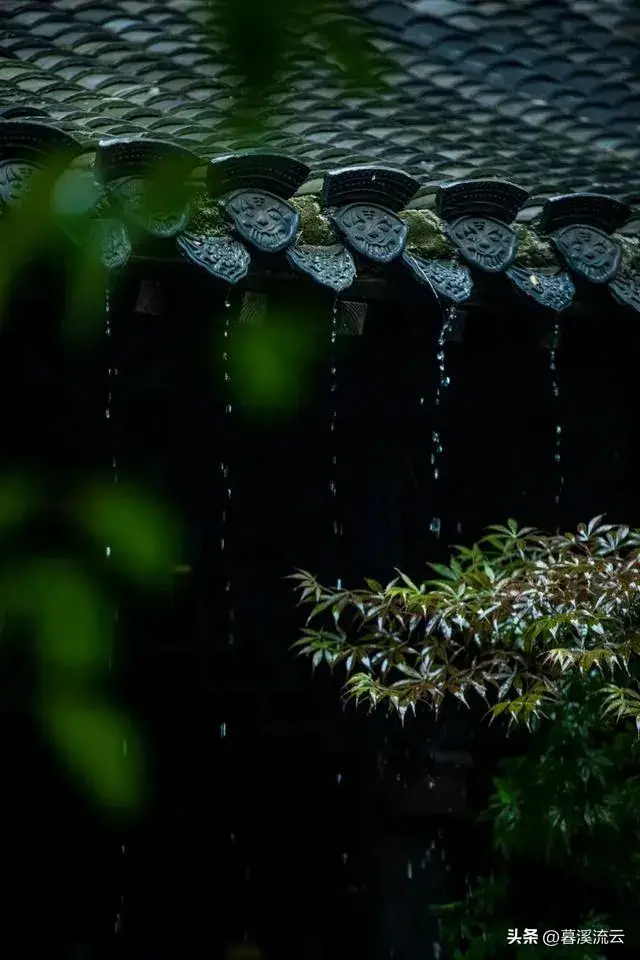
x=315 y=227
x=427 y=237
x=426 y=233
x=630 y=252
x=534 y=251
x=206 y=217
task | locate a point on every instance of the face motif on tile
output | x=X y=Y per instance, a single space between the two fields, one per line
x=485 y=243
x=589 y=251
x=14 y=180
x=372 y=231
x=266 y=221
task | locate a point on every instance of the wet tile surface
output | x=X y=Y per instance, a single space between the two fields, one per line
x=546 y=94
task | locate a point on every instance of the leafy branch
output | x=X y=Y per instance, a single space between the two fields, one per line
x=509 y=620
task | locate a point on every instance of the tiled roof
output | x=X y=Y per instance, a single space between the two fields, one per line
x=546 y=94
x=542 y=95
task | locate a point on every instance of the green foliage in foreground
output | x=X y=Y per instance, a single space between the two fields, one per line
x=510 y=620
x=64 y=605
x=564 y=816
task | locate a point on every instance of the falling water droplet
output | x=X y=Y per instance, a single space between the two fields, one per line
x=555 y=391
x=444 y=381
x=345 y=857
x=410 y=870
x=223 y=730
x=232 y=837
x=107 y=551
x=336 y=524
x=338 y=778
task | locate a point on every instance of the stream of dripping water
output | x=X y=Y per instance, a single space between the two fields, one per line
x=336 y=524
x=112 y=373
x=557 y=432
x=224 y=470
x=226 y=503
x=448 y=317
x=333 y=388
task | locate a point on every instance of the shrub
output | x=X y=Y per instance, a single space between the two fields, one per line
x=510 y=620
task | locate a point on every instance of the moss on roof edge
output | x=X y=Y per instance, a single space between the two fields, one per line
x=427 y=236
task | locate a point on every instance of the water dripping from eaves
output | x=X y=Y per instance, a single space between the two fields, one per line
x=443 y=383
x=336 y=523
x=112 y=373
x=224 y=467
x=557 y=430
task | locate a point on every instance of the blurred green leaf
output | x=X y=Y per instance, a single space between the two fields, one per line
x=27 y=229
x=70 y=616
x=18 y=497
x=315 y=32
x=142 y=537
x=99 y=746
x=269 y=366
x=84 y=316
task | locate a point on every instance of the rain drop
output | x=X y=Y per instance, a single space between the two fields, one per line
x=225 y=471
x=410 y=870
x=336 y=524
x=223 y=731
x=112 y=373
x=444 y=381
x=555 y=392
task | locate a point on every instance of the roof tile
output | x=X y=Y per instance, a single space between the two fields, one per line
x=543 y=94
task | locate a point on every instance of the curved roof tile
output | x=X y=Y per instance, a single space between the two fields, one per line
x=546 y=94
